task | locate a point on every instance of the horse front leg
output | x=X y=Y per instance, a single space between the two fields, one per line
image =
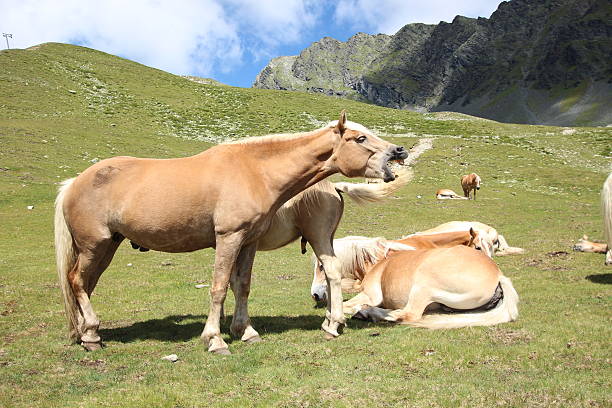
x=228 y=247
x=240 y=283
x=334 y=316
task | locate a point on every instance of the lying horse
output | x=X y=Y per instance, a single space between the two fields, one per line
x=446 y=194
x=584 y=245
x=403 y=286
x=224 y=197
x=358 y=255
x=606 y=205
x=500 y=245
x=469 y=183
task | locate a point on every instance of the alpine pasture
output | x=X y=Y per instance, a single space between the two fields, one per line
x=64 y=107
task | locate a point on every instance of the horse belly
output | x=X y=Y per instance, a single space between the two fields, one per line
x=280 y=233
x=170 y=236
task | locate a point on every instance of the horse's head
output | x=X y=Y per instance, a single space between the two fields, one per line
x=481 y=242
x=477 y=181
x=361 y=153
x=583 y=245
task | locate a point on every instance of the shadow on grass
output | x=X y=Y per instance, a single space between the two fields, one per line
x=605 y=278
x=180 y=328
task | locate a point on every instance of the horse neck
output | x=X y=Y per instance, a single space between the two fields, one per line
x=292 y=165
x=442 y=239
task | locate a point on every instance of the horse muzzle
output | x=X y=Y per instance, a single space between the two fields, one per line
x=395 y=153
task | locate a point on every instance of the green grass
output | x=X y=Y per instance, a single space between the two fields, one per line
x=540 y=189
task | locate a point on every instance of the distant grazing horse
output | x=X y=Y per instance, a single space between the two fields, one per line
x=357 y=255
x=402 y=287
x=224 y=197
x=584 y=245
x=500 y=245
x=606 y=205
x=446 y=194
x=469 y=183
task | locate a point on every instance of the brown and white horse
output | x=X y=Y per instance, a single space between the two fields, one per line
x=606 y=205
x=446 y=194
x=358 y=254
x=406 y=284
x=224 y=197
x=469 y=183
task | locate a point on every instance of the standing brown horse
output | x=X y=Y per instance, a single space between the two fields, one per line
x=224 y=197
x=469 y=183
x=314 y=214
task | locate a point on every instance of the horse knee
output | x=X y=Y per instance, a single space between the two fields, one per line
x=218 y=295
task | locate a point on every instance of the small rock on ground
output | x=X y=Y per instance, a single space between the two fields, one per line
x=171 y=357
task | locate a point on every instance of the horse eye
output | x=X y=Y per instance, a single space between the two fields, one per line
x=321 y=267
x=478 y=248
x=361 y=139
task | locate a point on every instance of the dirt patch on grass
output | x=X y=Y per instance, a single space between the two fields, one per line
x=509 y=337
x=98 y=365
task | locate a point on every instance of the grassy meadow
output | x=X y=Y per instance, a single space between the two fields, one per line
x=64 y=107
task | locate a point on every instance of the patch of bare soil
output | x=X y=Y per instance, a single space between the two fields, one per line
x=509 y=337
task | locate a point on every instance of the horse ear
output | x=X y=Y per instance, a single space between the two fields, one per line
x=472 y=237
x=341 y=126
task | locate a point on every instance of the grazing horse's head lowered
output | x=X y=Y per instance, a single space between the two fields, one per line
x=361 y=153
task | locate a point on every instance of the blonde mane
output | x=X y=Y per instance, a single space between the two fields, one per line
x=291 y=136
x=309 y=197
x=355 y=252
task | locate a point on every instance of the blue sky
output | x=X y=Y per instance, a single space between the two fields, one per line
x=228 y=40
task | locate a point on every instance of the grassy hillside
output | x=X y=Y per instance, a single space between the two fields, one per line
x=64 y=107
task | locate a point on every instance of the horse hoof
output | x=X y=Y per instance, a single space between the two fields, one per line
x=254 y=339
x=221 y=351
x=89 y=346
x=329 y=336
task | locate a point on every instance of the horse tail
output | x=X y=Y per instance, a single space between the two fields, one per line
x=66 y=258
x=606 y=205
x=364 y=193
x=506 y=310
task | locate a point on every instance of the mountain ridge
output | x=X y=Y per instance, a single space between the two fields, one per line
x=542 y=62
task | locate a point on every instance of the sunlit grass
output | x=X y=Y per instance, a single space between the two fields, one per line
x=540 y=189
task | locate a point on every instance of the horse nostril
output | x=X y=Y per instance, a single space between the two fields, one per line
x=315 y=297
x=399 y=149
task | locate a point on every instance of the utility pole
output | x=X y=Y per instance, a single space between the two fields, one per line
x=7 y=36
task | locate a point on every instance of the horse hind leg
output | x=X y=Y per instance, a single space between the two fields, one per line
x=83 y=279
x=411 y=312
x=240 y=282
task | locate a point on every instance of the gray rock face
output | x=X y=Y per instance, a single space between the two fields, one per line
x=532 y=61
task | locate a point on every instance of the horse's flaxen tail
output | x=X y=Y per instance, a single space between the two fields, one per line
x=606 y=206
x=505 y=311
x=66 y=258
x=364 y=193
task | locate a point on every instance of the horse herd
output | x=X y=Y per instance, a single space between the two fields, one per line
x=260 y=194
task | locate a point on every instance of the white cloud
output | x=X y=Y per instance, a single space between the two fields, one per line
x=208 y=37
x=388 y=16
x=186 y=36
